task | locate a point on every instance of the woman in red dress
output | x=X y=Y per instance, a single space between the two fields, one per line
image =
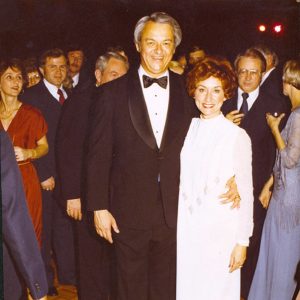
x=27 y=130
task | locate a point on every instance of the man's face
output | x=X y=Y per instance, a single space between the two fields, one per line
x=156 y=48
x=115 y=68
x=249 y=73
x=75 y=61
x=55 y=70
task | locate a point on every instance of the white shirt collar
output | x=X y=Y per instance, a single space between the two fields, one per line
x=266 y=75
x=250 y=100
x=75 y=79
x=53 y=89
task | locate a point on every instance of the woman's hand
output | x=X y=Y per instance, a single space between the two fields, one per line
x=22 y=154
x=266 y=193
x=274 y=122
x=237 y=258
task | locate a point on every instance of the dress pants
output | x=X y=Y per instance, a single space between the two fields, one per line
x=57 y=239
x=95 y=261
x=146 y=259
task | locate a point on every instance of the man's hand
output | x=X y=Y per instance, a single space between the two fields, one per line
x=235 y=116
x=237 y=258
x=232 y=195
x=74 y=209
x=48 y=184
x=104 y=221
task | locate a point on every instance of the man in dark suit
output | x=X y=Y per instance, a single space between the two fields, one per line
x=137 y=129
x=76 y=63
x=271 y=82
x=48 y=96
x=22 y=261
x=248 y=109
x=92 y=252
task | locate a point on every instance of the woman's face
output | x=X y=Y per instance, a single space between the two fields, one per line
x=11 y=82
x=209 y=97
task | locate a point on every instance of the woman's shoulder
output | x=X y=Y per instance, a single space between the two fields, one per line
x=31 y=110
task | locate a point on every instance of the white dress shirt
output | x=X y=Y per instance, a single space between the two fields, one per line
x=75 y=80
x=157 y=102
x=250 y=100
x=53 y=90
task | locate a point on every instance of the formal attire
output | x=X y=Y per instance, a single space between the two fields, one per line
x=133 y=171
x=92 y=252
x=207 y=231
x=57 y=226
x=22 y=262
x=27 y=127
x=263 y=158
x=280 y=246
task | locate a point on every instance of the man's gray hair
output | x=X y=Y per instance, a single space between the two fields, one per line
x=158 y=17
x=102 y=60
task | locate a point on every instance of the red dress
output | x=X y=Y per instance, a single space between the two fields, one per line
x=27 y=127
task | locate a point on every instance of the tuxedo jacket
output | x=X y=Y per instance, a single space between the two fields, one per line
x=70 y=141
x=21 y=254
x=273 y=83
x=263 y=143
x=126 y=170
x=39 y=97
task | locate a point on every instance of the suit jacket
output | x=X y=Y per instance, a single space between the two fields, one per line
x=263 y=144
x=70 y=141
x=39 y=96
x=21 y=254
x=125 y=169
x=273 y=83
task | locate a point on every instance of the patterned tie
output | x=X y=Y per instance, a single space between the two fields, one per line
x=162 y=81
x=244 y=108
x=62 y=98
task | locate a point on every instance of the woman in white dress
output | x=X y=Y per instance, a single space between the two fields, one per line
x=212 y=238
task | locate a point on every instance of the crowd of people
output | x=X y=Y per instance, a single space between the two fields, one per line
x=178 y=179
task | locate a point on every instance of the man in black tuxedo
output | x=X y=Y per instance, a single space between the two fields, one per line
x=137 y=129
x=48 y=96
x=248 y=109
x=92 y=253
x=22 y=261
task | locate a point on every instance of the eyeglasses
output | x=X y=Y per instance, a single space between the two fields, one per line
x=245 y=72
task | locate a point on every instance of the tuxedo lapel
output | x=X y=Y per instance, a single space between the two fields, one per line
x=175 y=111
x=138 y=111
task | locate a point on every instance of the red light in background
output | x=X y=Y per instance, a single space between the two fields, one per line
x=262 y=28
x=277 y=28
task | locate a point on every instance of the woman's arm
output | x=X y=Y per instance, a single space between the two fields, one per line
x=41 y=150
x=266 y=192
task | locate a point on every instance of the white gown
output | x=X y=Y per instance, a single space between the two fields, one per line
x=214 y=150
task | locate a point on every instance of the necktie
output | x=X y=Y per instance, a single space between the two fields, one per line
x=61 y=99
x=244 y=108
x=162 y=81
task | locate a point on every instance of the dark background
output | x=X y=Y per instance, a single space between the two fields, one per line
x=226 y=27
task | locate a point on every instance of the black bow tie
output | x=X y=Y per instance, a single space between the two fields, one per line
x=162 y=81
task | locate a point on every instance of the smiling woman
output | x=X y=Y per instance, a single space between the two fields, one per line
x=212 y=238
x=27 y=129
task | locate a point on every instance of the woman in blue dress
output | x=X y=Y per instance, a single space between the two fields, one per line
x=279 y=255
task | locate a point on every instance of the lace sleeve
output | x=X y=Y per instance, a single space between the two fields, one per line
x=243 y=177
x=290 y=155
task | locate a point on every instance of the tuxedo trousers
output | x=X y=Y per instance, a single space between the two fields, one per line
x=146 y=260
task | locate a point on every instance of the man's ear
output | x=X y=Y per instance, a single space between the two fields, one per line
x=137 y=46
x=98 y=76
x=41 y=70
